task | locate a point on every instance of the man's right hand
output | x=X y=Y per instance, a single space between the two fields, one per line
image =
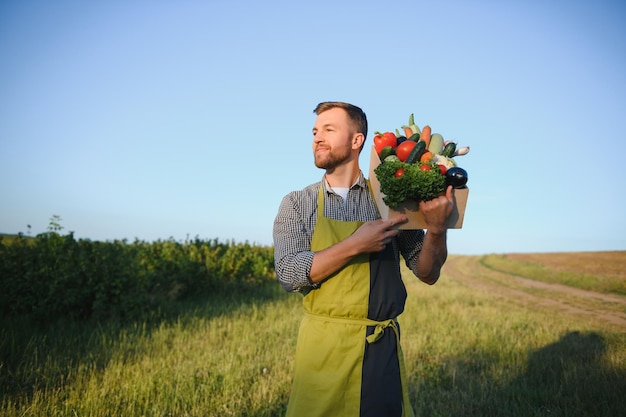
x=374 y=236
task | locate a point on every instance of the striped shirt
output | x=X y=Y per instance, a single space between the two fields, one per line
x=295 y=222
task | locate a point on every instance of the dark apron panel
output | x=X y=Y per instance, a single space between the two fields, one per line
x=382 y=394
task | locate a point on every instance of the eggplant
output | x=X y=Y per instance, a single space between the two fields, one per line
x=456 y=177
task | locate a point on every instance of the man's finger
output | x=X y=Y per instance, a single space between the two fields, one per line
x=450 y=193
x=397 y=221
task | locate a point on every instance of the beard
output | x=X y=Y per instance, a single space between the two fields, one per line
x=332 y=158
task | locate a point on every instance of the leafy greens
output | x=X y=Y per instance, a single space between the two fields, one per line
x=415 y=184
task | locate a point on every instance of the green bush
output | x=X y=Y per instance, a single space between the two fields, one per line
x=54 y=275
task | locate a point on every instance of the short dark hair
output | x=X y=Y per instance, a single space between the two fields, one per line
x=355 y=114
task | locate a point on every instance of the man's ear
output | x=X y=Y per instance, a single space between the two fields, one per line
x=357 y=140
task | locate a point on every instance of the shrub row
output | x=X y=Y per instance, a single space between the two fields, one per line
x=54 y=275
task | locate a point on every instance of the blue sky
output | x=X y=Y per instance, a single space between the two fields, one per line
x=173 y=119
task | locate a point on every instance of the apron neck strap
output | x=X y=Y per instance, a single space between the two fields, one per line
x=320 y=201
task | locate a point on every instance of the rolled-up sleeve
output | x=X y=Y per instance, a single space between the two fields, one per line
x=410 y=242
x=292 y=245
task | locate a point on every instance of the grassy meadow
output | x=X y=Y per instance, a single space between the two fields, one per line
x=469 y=350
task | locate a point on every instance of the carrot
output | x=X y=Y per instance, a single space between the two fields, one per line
x=426 y=135
x=426 y=156
x=407 y=131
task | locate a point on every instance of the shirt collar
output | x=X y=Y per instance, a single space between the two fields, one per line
x=360 y=182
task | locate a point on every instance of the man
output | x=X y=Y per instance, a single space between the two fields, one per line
x=331 y=245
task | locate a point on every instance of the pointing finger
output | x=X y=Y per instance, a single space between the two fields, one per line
x=397 y=221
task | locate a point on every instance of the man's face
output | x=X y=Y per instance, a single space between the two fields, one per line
x=332 y=138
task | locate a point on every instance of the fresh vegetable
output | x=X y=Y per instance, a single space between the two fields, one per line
x=456 y=177
x=449 y=149
x=385 y=152
x=415 y=183
x=412 y=124
x=392 y=158
x=426 y=135
x=426 y=156
x=416 y=164
x=414 y=137
x=404 y=149
x=384 y=139
x=462 y=151
x=436 y=143
x=416 y=152
x=445 y=161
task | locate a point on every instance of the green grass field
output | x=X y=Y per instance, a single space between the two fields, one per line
x=476 y=344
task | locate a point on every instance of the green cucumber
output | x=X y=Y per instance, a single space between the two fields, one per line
x=448 y=150
x=418 y=150
x=414 y=137
x=385 y=152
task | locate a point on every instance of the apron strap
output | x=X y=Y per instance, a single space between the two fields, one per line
x=379 y=330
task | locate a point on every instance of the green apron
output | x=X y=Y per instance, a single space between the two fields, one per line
x=333 y=335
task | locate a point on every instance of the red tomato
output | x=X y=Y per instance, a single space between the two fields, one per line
x=404 y=149
x=425 y=167
x=384 y=139
x=443 y=169
x=399 y=172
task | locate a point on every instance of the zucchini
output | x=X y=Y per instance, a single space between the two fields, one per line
x=448 y=150
x=436 y=143
x=418 y=150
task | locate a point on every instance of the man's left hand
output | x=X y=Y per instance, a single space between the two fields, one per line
x=437 y=210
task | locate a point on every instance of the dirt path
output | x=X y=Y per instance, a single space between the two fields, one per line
x=568 y=300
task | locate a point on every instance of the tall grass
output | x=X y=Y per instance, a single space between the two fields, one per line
x=229 y=355
x=467 y=354
x=470 y=354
